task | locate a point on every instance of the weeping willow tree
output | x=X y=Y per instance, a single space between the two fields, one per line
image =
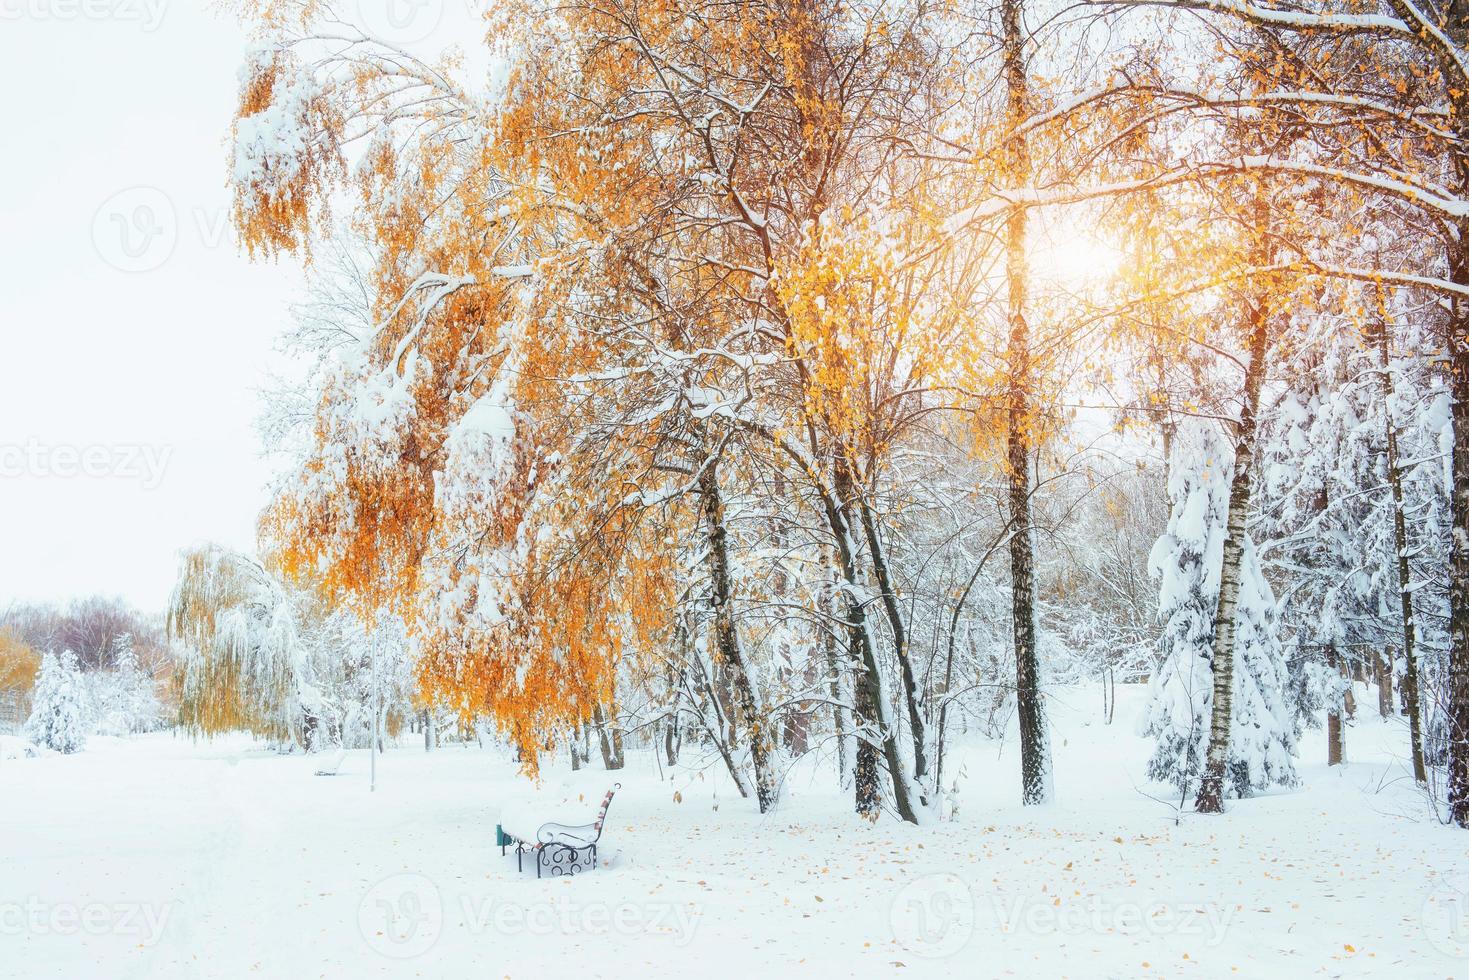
x=244 y=665
x=267 y=656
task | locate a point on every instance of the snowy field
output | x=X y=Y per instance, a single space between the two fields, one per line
x=155 y=857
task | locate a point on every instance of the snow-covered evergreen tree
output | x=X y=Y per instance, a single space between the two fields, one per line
x=1263 y=732
x=57 y=718
x=126 y=702
x=1310 y=435
x=1187 y=560
x=1355 y=504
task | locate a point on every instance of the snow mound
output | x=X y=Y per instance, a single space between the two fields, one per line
x=15 y=747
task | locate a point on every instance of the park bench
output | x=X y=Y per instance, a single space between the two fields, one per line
x=557 y=846
x=333 y=763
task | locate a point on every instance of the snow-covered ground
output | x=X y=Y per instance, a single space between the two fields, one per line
x=156 y=857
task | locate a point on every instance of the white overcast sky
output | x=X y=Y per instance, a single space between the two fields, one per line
x=165 y=359
x=136 y=334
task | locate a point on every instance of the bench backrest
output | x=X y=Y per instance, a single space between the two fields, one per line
x=602 y=813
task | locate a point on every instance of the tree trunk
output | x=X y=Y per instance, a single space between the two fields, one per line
x=867 y=796
x=670 y=741
x=1211 y=786
x=835 y=672
x=866 y=681
x=1384 y=682
x=1336 y=747
x=726 y=639
x=796 y=721
x=1413 y=704
x=1034 y=761
x=611 y=754
x=719 y=729
x=943 y=722
x=1334 y=744
x=676 y=678
x=1458 y=692
x=900 y=638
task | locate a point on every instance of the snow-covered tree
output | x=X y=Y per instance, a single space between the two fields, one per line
x=1187 y=560
x=263 y=655
x=352 y=661
x=244 y=664
x=1355 y=501
x=667 y=441
x=57 y=718
x=122 y=700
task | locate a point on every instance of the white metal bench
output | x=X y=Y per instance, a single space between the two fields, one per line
x=559 y=847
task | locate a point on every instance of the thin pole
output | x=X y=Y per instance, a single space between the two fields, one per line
x=372 y=788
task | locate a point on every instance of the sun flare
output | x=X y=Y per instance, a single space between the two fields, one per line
x=1074 y=259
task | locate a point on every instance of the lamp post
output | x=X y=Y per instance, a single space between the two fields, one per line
x=376 y=711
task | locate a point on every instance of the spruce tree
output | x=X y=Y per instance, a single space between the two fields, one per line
x=56 y=720
x=1187 y=560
